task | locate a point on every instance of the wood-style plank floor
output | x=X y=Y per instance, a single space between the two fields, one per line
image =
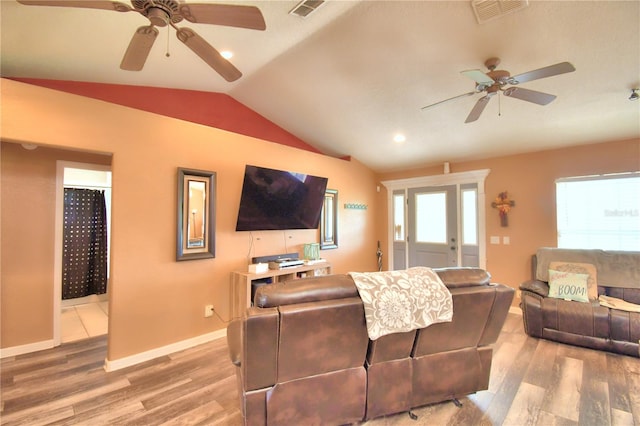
x=533 y=382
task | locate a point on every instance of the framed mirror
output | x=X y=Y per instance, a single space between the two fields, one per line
x=329 y=220
x=196 y=214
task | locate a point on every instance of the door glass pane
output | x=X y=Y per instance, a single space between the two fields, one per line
x=431 y=217
x=469 y=217
x=398 y=217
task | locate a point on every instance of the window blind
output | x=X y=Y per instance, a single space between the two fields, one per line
x=599 y=212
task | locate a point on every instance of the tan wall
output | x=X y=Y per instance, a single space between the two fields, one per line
x=530 y=181
x=154 y=300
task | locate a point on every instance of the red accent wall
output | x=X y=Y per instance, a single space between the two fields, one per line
x=210 y=109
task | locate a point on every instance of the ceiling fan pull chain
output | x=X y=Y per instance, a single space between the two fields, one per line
x=167 y=54
x=499 y=105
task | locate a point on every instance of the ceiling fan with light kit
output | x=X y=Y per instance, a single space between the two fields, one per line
x=495 y=81
x=162 y=13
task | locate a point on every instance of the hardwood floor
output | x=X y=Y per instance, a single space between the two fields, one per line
x=533 y=382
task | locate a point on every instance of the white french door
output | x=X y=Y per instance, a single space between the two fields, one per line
x=432 y=227
x=437 y=221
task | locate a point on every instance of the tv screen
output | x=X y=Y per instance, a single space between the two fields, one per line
x=277 y=199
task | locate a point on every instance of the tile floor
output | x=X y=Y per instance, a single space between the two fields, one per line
x=83 y=321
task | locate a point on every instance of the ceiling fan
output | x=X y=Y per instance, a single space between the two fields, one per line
x=169 y=12
x=495 y=81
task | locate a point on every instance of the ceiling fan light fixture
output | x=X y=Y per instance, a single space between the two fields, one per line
x=167 y=13
x=158 y=17
x=634 y=95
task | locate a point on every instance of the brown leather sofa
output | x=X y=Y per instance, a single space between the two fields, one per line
x=303 y=355
x=589 y=324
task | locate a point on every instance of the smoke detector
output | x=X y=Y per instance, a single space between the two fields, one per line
x=487 y=10
x=306 y=7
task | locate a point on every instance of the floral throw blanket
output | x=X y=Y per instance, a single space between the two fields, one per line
x=399 y=301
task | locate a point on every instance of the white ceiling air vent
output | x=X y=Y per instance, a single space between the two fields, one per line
x=487 y=10
x=306 y=7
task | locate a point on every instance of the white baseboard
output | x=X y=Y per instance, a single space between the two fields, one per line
x=25 y=349
x=128 y=361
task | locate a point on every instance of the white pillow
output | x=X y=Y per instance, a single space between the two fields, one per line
x=568 y=286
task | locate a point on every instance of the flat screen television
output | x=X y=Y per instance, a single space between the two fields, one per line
x=278 y=199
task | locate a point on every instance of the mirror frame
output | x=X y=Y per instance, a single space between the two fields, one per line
x=207 y=250
x=329 y=220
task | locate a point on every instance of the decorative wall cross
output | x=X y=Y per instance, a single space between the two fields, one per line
x=503 y=204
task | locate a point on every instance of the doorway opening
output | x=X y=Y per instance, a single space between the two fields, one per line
x=83 y=225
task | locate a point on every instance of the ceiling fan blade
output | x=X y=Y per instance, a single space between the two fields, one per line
x=529 y=95
x=478 y=108
x=208 y=54
x=550 y=71
x=447 y=100
x=479 y=77
x=97 y=4
x=224 y=14
x=139 y=48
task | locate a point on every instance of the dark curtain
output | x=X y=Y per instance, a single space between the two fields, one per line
x=84 y=258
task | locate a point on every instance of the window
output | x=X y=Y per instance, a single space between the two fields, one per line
x=470 y=216
x=398 y=217
x=599 y=212
x=432 y=209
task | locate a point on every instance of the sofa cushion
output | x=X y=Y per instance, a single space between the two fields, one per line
x=580 y=268
x=320 y=337
x=568 y=286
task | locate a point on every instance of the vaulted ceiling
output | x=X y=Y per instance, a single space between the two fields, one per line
x=351 y=75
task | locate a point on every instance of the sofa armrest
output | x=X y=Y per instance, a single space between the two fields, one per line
x=538 y=287
x=253 y=346
x=531 y=305
x=234 y=341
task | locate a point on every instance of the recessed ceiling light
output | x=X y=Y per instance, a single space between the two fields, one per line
x=226 y=54
x=399 y=138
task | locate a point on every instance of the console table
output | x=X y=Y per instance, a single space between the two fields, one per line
x=241 y=281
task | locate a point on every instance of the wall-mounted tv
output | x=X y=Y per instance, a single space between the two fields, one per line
x=278 y=199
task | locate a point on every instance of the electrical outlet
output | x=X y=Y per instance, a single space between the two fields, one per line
x=208 y=311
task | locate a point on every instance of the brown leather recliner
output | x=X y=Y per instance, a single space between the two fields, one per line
x=585 y=324
x=303 y=354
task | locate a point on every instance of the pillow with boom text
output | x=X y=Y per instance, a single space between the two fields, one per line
x=580 y=268
x=568 y=286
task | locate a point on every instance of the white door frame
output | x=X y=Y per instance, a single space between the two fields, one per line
x=475 y=176
x=58 y=238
